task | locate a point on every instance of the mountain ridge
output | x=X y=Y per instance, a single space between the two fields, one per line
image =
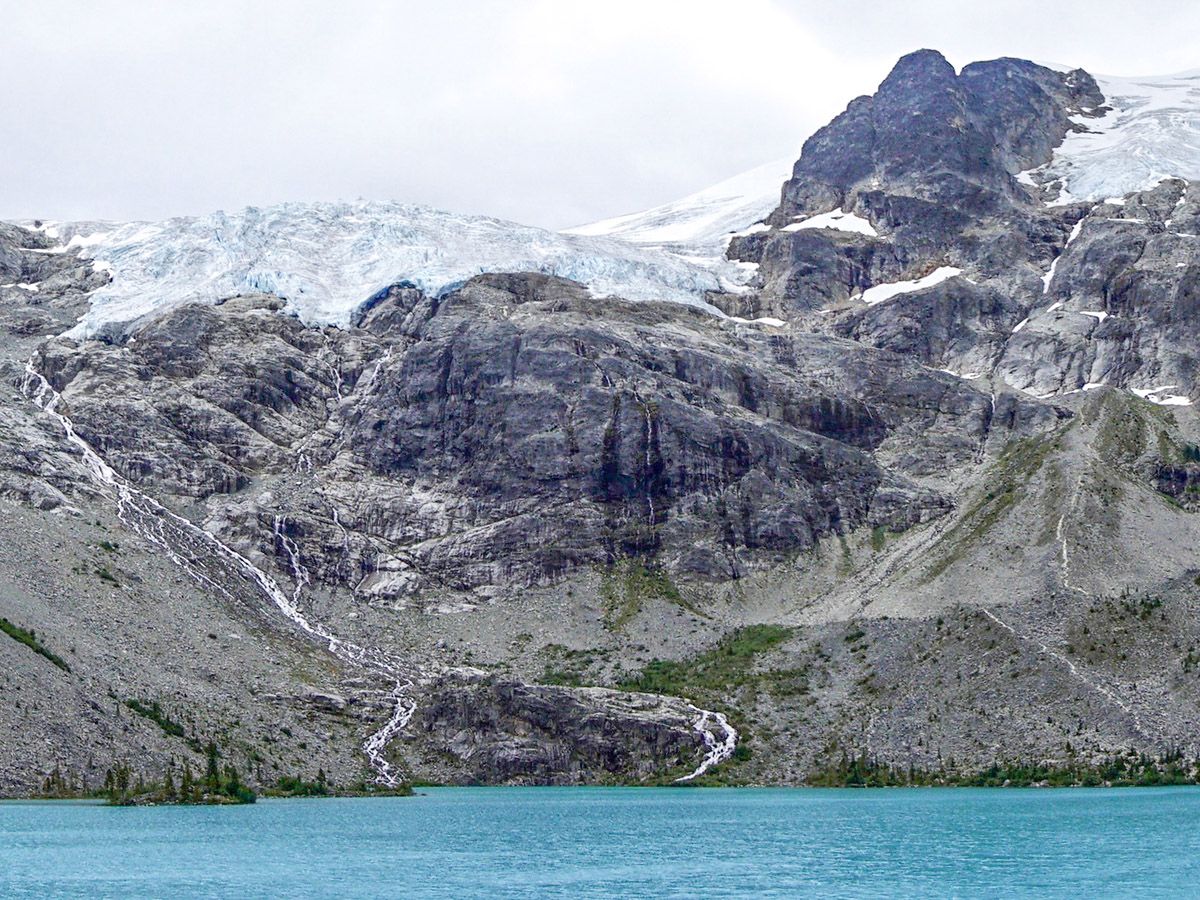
x=933 y=502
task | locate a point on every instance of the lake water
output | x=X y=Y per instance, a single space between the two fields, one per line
x=618 y=842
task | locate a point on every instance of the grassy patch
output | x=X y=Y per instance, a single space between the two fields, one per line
x=878 y=538
x=567 y=667
x=154 y=712
x=727 y=665
x=30 y=640
x=626 y=586
x=1009 y=481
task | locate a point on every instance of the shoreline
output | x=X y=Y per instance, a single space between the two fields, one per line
x=417 y=791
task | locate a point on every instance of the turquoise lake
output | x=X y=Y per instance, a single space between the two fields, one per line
x=618 y=842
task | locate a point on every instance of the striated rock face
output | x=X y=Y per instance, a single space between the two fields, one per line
x=515 y=430
x=503 y=731
x=1120 y=305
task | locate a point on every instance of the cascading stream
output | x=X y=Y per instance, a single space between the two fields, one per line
x=718 y=750
x=172 y=534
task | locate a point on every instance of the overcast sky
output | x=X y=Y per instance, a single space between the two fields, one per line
x=549 y=112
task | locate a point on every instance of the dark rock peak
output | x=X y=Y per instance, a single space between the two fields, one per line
x=920 y=67
x=931 y=161
x=935 y=134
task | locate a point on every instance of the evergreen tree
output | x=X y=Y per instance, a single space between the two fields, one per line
x=212 y=775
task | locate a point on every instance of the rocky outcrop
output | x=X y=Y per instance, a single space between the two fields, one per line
x=516 y=430
x=931 y=139
x=930 y=161
x=502 y=731
x=1120 y=303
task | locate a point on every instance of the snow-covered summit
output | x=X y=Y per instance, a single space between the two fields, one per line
x=1152 y=132
x=326 y=259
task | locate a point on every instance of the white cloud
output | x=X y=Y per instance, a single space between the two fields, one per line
x=547 y=112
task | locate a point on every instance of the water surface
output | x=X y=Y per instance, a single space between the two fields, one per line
x=617 y=842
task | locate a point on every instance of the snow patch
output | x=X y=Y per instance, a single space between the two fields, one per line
x=1076 y=229
x=1159 y=395
x=1049 y=276
x=838 y=221
x=765 y=320
x=1178 y=205
x=968 y=376
x=756 y=228
x=881 y=292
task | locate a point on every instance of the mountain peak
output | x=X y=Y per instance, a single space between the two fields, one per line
x=921 y=63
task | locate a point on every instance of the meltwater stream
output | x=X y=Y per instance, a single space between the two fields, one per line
x=172 y=534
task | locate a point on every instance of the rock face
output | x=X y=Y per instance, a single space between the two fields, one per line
x=931 y=161
x=951 y=467
x=507 y=435
x=503 y=730
x=930 y=138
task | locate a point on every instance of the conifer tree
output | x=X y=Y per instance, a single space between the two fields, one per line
x=212 y=775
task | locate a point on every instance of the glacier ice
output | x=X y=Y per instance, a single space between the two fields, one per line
x=326 y=259
x=1152 y=132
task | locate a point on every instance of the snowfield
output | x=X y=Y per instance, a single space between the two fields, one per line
x=836 y=220
x=881 y=292
x=327 y=259
x=701 y=222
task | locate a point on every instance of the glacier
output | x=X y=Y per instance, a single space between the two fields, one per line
x=1151 y=132
x=327 y=259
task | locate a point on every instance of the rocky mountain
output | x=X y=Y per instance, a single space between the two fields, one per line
x=894 y=461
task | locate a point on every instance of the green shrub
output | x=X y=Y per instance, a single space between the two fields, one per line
x=30 y=640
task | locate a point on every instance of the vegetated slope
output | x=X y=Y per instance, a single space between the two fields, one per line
x=931 y=512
